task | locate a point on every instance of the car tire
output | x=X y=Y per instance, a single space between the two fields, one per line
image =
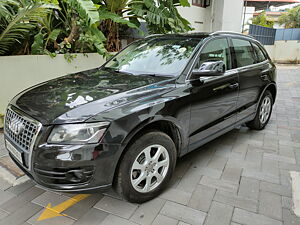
x=146 y=167
x=263 y=113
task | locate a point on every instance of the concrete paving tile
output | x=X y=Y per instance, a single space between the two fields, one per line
x=183 y=213
x=209 y=172
x=270 y=166
x=289 y=166
x=259 y=175
x=164 y=220
x=21 y=215
x=219 y=184
x=248 y=218
x=249 y=188
x=280 y=158
x=201 y=198
x=219 y=214
x=217 y=162
x=4 y=184
x=148 y=211
x=190 y=180
x=115 y=220
x=92 y=217
x=176 y=195
x=232 y=174
x=276 y=188
x=60 y=220
x=236 y=201
x=82 y=207
x=117 y=207
x=49 y=197
x=270 y=205
x=18 y=189
x=3 y=214
x=183 y=223
x=287 y=202
x=289 y=218
x=5 y=196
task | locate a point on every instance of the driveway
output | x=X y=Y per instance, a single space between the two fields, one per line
x=240 y=178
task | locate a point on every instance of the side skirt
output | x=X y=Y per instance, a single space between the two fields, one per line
x=221 y=132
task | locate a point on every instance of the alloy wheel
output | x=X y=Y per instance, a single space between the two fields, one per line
x=265 y=109
x=150 y=168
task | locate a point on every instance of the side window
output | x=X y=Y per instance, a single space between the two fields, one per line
x=259 y=54
x=215 y=50
x=243 y=52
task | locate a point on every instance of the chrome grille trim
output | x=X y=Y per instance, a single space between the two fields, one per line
x=27 y=137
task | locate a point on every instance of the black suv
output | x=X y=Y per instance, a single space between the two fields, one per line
x=126 y=122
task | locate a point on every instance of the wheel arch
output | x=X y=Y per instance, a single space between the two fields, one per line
x=270 y=87
x=165 y=125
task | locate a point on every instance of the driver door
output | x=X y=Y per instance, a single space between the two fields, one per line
x=213 y=104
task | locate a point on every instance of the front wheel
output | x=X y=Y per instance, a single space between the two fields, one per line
x=146 y=167
x=263 y=113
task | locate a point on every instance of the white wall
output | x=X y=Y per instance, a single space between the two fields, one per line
x=284 y=51
x=248 y=16
x=200 y=18
x=232 y=15
x=223 y=15
x=20 y=72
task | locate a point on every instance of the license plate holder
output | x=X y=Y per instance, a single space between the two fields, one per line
x=13 y=151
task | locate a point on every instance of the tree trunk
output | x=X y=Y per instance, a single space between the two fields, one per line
x=111 y=31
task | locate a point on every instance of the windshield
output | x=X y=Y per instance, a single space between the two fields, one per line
x=155 y=56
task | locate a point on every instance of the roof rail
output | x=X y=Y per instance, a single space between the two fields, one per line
x=230 y=32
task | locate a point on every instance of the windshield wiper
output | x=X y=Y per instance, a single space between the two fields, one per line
x=118 y=71
x=153 y=75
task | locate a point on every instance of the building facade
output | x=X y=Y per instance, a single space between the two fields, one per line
x=214 y=15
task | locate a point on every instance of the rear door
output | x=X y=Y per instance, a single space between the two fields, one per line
x=250 y=80
x=213 y=103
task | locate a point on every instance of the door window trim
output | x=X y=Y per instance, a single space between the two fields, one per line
x=255 y=57
x=227 y=72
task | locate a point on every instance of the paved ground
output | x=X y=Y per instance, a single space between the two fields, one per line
x=240 y=178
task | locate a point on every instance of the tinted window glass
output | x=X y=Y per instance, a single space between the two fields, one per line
x=215 y=50
x=158 y=55
x=259 y=54
x=243 y=52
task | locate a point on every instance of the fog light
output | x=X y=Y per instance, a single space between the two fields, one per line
x=75 y=176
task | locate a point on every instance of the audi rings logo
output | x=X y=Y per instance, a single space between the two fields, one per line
x=16 y=126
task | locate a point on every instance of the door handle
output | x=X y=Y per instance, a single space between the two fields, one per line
x=233 y=86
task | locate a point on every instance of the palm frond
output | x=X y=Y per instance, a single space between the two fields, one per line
x=21 y=23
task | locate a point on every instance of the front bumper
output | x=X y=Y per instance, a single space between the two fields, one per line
x=70 y=168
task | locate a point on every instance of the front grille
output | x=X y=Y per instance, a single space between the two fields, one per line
x=27 y=134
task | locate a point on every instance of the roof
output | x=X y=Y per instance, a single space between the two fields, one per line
x=201 y=34
x=261 y=4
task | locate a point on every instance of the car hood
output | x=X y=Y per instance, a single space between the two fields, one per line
x=79 y=96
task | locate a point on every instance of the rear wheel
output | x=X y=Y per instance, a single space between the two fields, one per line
x=263 y=113
x=146 y=167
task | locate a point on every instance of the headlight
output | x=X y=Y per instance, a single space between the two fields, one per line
x=85 y=133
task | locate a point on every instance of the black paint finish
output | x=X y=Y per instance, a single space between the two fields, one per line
x=196 y=112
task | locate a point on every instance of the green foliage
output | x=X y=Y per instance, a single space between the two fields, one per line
x=291 y=19
x=71 y=26
x=16 y=24
x=262 y=20
x=86 y=10
x=37 y=46
x=161 y=16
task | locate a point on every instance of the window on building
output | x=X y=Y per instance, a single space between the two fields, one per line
x=244 y=52
x=215 y=50
x=201 y=3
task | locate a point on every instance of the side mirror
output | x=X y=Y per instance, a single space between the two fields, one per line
x=207 y=69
